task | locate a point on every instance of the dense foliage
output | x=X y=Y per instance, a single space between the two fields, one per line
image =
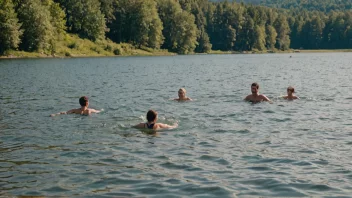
x=9 y=26
x=311 y=5
x=181 y=26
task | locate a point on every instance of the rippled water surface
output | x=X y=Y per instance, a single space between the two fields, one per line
x=223 y=147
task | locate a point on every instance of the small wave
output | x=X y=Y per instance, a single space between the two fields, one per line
x=56 y=189
x=302 y=163
x=280 y=120
x=207 y=144
x=201 y=191
x=321 y=162
x=317 y=187
x=208 y=157
x=171 y=165
x=243 y=131
x=268 y=111
x=265 y=142
x=260 y=168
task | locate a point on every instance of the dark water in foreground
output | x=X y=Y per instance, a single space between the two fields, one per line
x=224 y=147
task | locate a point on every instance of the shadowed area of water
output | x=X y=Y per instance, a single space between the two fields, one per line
x=223 y=147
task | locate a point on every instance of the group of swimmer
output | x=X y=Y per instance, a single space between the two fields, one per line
x=256 y=97
x=152 y=116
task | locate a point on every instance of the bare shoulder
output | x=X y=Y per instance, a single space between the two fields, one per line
x=75 y=111
x=262 y=96
x=140 y=125
x=248 y=97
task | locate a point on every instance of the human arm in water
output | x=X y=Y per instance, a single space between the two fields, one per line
x=264 y=98
x=94 y=111
x=165 y=126
x=63 y=112
x=156 y=126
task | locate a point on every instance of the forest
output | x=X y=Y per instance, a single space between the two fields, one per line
x=178 y=26
x=311 y=5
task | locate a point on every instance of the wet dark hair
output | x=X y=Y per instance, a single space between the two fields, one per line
x=291 y=88
x=83 y=101
x=255 y=84
x=151 y=115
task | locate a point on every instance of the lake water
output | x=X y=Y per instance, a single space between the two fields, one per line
x=223 y=147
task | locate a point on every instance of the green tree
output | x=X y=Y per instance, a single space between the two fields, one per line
x=198 y=8
x=204 y=45
x=313 y=33
x=222 y=28
x=38 y=31
x=108 y=8
x=85 y=18
x=283 y=31
x=138 y=23
x=334 y=36
x=9 y=26
x=296 y=33
x=58 y=18
x=259 y=40
x=271 y=35
x=180 y=31
x=184 y=41
x=247 y=34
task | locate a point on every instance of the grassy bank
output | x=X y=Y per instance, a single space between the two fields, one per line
x=73 y=46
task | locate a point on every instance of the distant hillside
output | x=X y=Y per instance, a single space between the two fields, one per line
x=311 y=5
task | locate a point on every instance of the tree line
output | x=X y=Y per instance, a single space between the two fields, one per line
x=180 y=26
x=311 y=5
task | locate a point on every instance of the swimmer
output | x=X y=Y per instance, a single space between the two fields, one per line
x=290 y=96
x=255 y=96
x=84 y=110
x=152 y=117
x=182 y=95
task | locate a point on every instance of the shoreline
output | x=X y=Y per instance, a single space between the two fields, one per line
x=35 y=55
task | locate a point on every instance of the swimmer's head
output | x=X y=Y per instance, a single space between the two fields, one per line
x=83 y=101
x=290 y=89
x=182 y=92
x=152 y=115
x=254 y=87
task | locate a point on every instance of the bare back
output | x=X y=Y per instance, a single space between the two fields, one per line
x=82 y=112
